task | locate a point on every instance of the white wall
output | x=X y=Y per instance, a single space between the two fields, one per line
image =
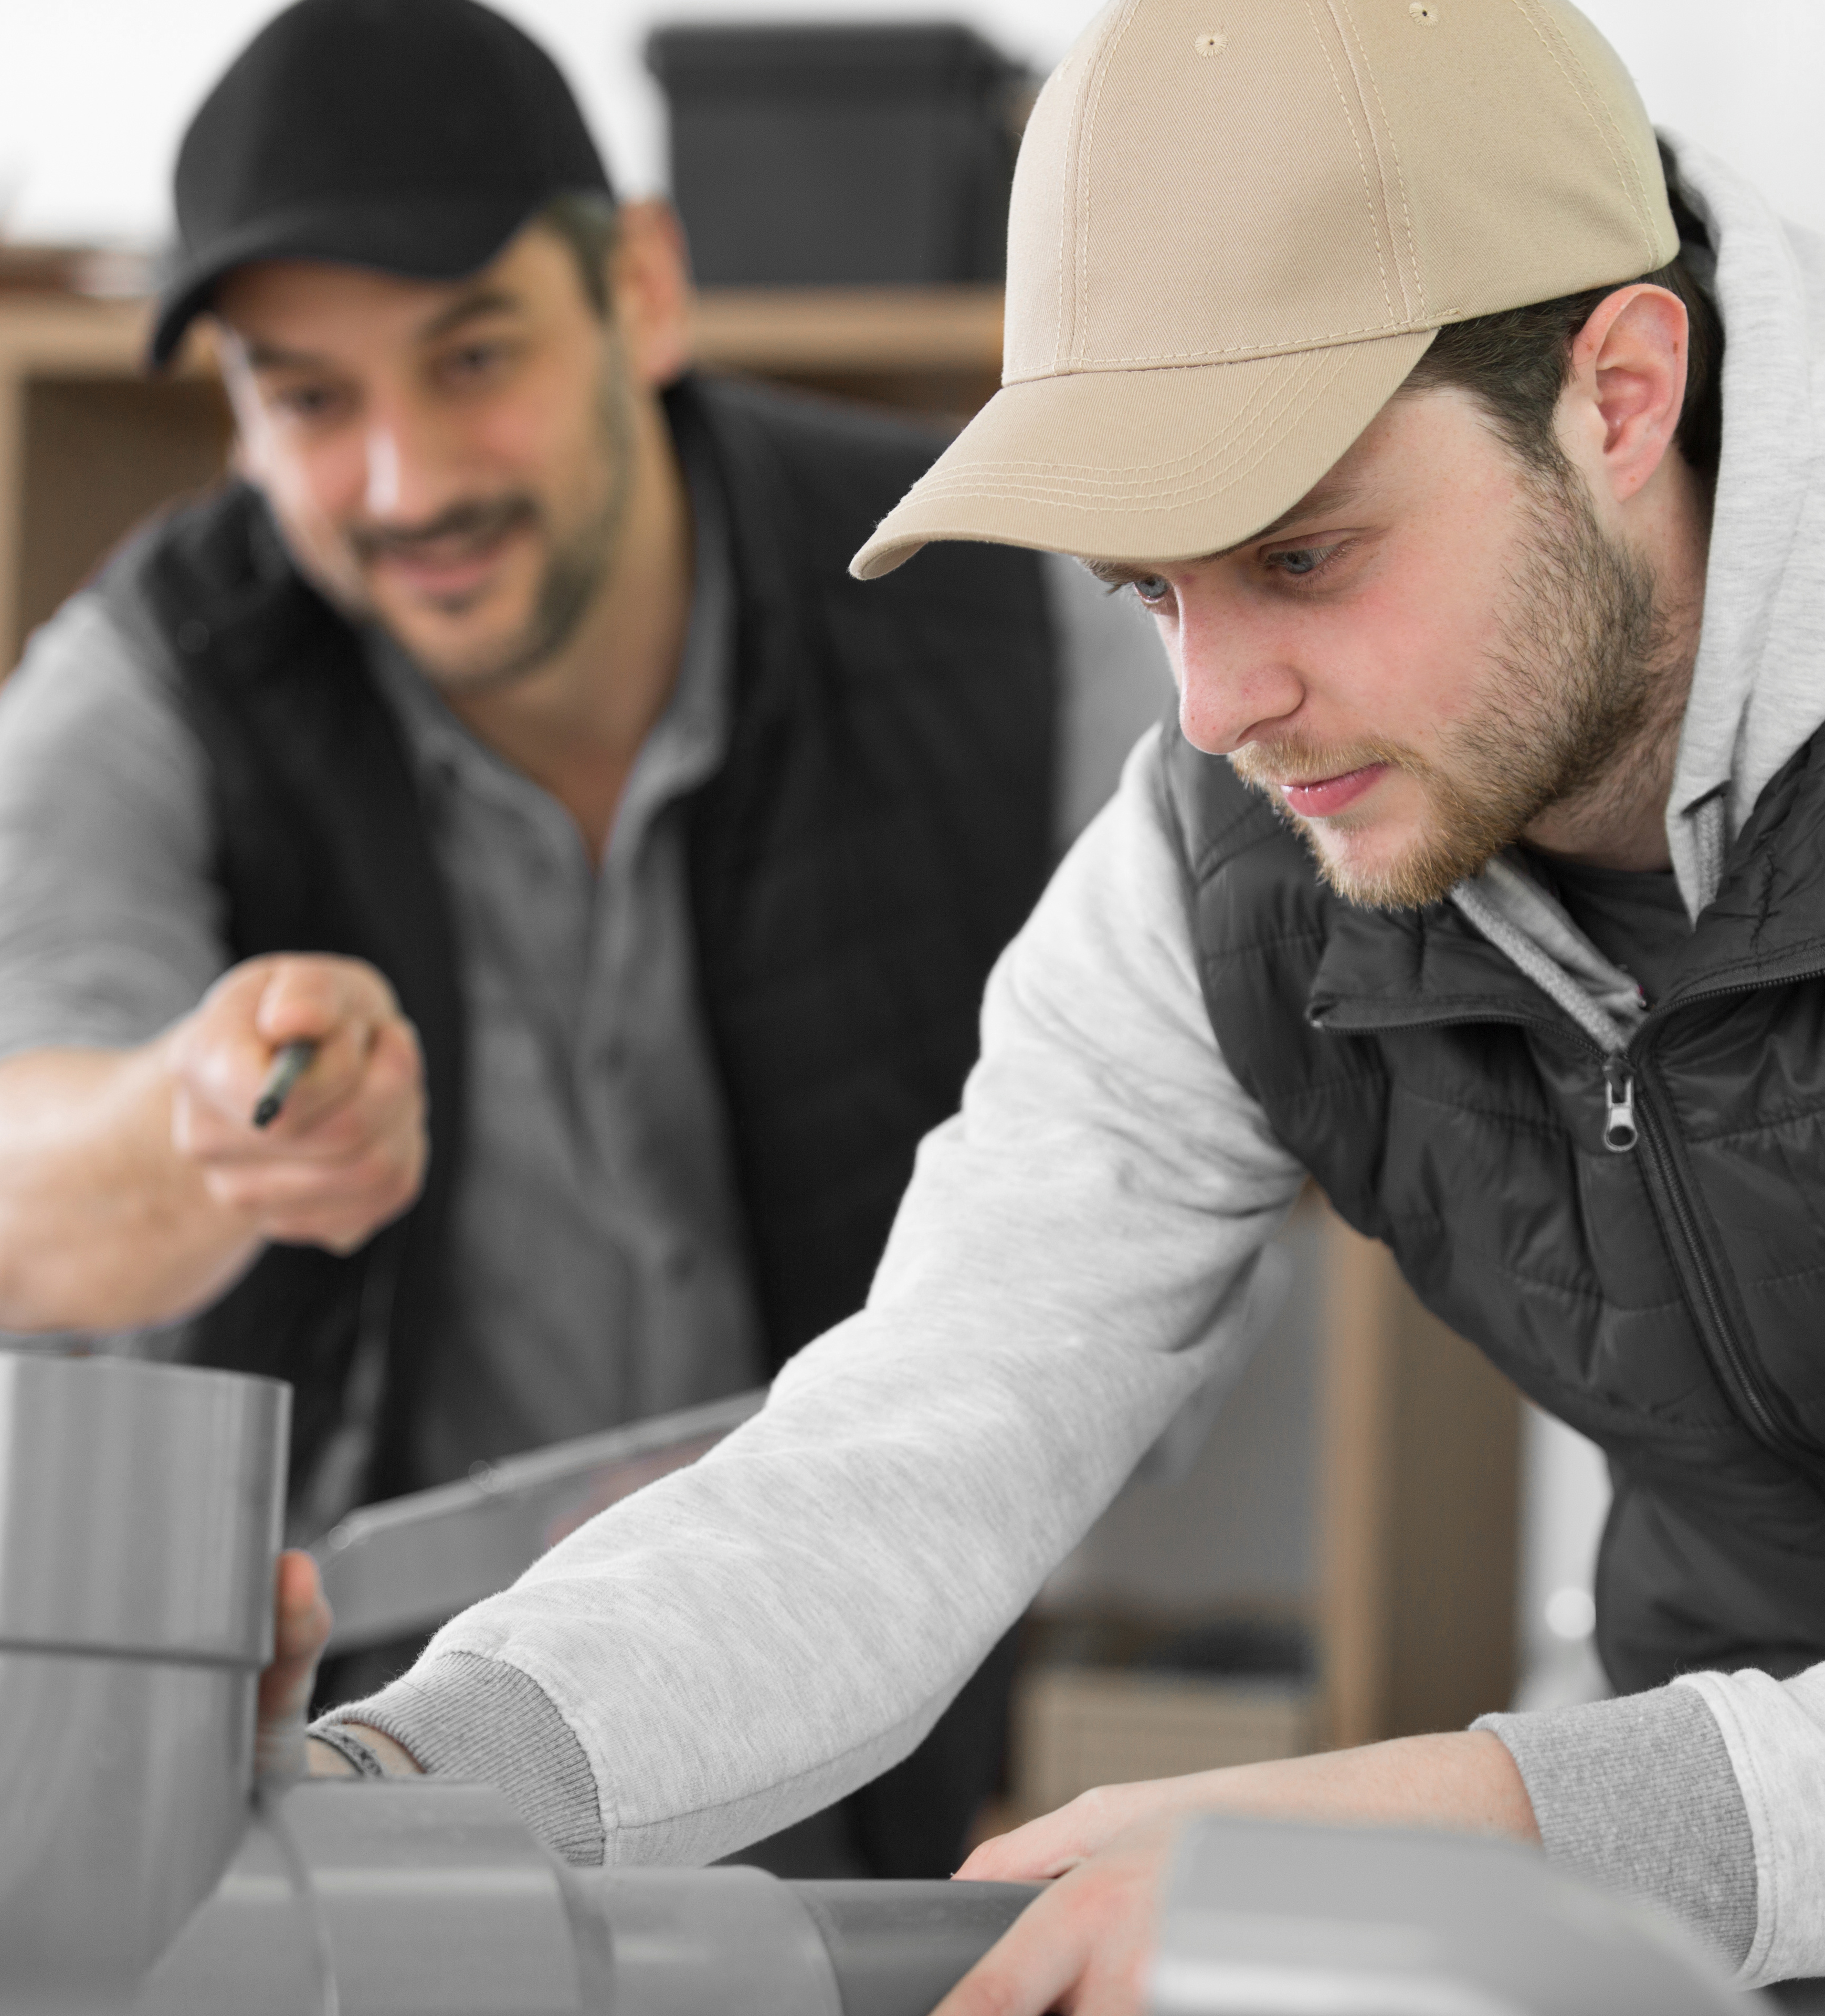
x=93 y=93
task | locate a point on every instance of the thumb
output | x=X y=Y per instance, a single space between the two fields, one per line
x=301 y=1623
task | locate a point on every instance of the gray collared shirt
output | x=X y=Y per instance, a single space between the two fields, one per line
x=597 y=1172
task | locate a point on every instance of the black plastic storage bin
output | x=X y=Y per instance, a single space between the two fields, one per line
x=818 y=155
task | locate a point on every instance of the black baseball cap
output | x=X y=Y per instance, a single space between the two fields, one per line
x=415 y=136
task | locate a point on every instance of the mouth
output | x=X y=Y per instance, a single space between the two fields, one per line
x=1324 y=797
x=448 y=566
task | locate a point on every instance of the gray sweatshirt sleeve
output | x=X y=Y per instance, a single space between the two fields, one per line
x=1638 y=1794
x=742 y=1643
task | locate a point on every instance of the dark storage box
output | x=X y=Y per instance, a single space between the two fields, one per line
x=841 y=155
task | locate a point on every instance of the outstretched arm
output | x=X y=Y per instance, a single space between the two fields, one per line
x=133 y=1186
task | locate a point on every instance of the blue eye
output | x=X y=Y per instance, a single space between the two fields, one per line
x=1152 y=588
x=1307 y=559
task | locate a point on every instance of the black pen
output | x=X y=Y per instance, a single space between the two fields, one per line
x=293 y=1061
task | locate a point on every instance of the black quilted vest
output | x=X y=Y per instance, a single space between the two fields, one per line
x=880 y=829
x=1669 y=1301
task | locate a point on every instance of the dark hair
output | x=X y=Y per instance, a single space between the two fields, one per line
x=1515 y=364
x=589 y=223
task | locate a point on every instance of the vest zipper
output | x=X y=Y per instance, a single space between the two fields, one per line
x=1620 y=1131
x=1704 y=1278
x=1632 y=1119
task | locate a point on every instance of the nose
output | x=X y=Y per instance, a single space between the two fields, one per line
x=409 y=473
x=1235 y=679
x=380 y=493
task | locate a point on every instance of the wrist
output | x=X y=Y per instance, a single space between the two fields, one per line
x=353 y=1749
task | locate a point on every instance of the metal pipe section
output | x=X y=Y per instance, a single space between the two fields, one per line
x=425 y=1898
x=139 y=1518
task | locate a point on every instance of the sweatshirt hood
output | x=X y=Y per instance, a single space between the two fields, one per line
x=1758 y=686
x=1758 y=683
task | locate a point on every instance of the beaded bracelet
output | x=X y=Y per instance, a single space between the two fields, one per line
x=350 y=1746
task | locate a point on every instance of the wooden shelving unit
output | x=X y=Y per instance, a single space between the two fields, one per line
x=88 y=444
x=1418 y=1438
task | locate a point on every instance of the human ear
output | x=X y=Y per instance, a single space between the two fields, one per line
x=1626 y=389
x=649 y=275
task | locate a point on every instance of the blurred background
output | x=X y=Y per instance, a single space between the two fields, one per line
x=93 y=93
x=1374 y=1538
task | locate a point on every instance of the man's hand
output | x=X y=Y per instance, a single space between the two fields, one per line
x=347 y=1153
x=301 y=1623
x=300 y=1631
x=1083 y=1948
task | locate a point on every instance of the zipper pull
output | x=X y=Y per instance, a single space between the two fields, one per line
x=1620 y=1132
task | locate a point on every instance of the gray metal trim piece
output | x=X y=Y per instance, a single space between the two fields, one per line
x=411 y=1564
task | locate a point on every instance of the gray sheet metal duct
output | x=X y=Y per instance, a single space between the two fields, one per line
x=139 y=1511
x=140 y=1871
x=411 y=1898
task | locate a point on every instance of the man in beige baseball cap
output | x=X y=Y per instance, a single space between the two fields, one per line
x=1380 y=351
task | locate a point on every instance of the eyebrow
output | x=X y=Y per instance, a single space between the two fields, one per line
x=1325 y=496
x=263 y=355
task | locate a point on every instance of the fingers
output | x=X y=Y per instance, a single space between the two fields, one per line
x=347 y=1150
x=301 y=1623
x=1056 y=1842
x=224 y=1051
x=1036 y=1966
x=1084 y=1946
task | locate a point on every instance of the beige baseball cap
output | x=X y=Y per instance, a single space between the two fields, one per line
x=1237 y=225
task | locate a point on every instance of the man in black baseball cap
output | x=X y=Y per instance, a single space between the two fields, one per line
x=413 y=136
x=510 y=732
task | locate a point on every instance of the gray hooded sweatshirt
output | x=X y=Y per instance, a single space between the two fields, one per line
x=740 y=1644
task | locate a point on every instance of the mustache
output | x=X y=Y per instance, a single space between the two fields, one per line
x=476 y=522
x=1294 y=759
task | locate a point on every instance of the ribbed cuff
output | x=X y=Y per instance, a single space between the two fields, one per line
x=465 y=1716
x=1638 y=1794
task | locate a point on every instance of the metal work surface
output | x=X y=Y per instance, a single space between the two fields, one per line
x=411 y=1563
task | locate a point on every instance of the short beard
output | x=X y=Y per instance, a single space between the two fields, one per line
x=1572 y=687
x=578 y=568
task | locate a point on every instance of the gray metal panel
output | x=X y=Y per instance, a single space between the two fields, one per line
x=411 y=1563
x=1315 y=1921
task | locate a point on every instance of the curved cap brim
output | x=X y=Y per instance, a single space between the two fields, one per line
x=429 y=238
x=1148 y=465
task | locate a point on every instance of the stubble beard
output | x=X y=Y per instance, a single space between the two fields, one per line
x=1570 y=689
x=579 y=565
